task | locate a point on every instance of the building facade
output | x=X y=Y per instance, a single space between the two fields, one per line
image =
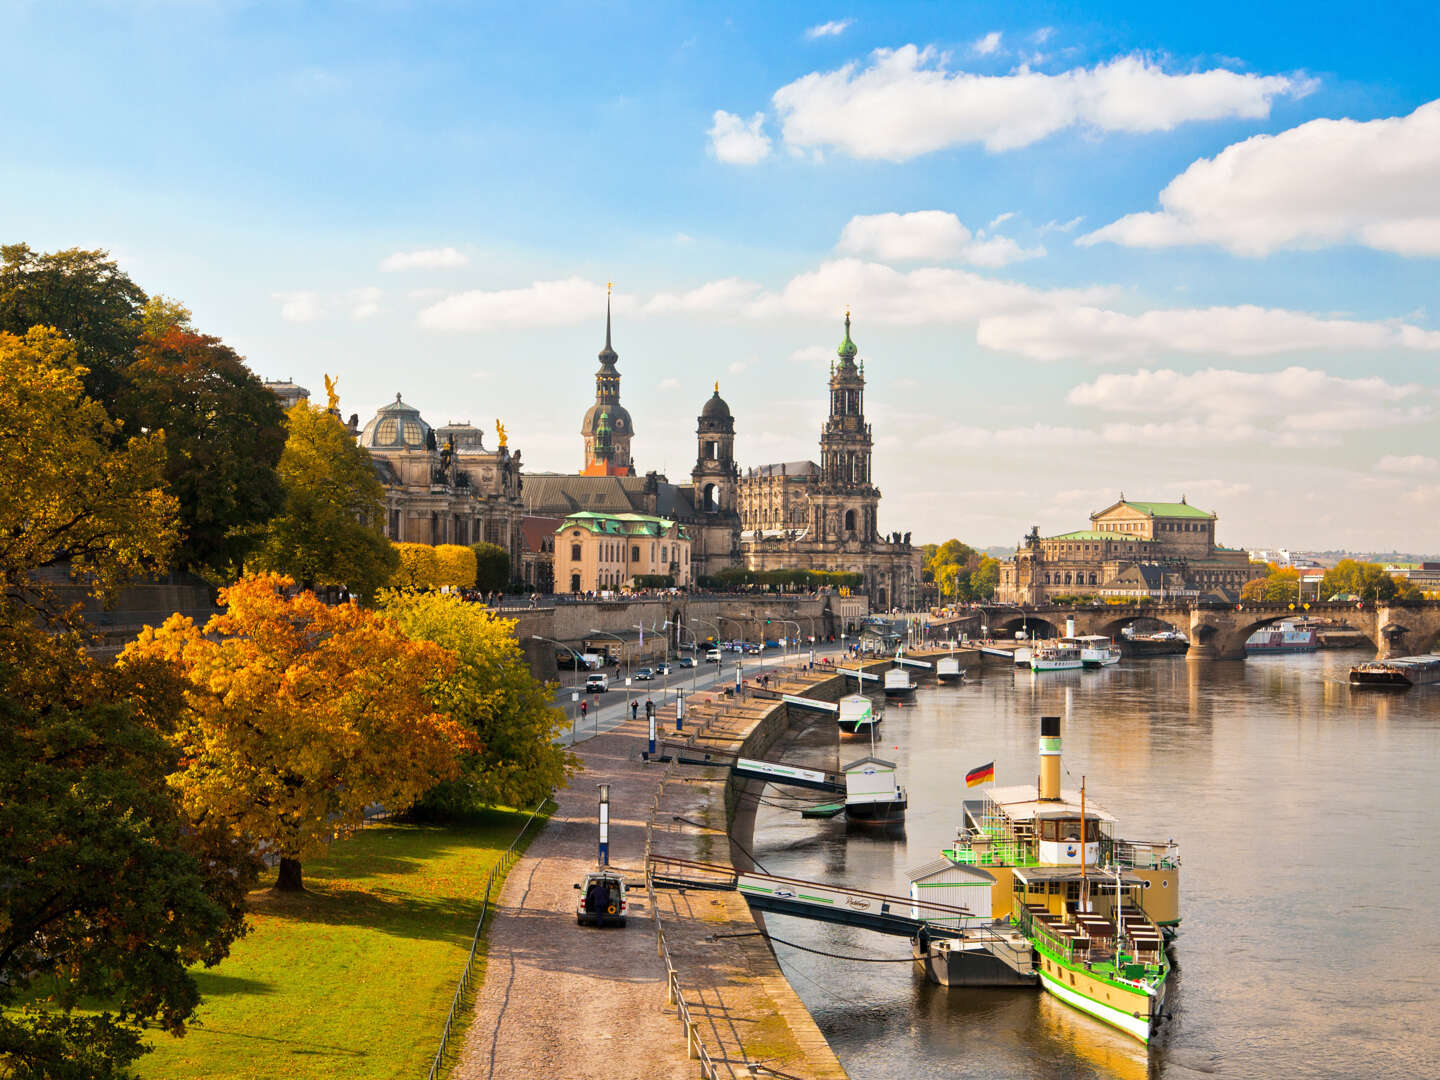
x=1165 y=551
x=441 y=485
x=607 y=427
x=601 y=552
x=808 y=516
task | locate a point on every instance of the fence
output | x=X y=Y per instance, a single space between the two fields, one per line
x=497 y=873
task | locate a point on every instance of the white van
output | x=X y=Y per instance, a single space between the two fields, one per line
x=597 y=684
x=713 y=656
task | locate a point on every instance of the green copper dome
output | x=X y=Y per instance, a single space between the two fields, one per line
x=847 y=349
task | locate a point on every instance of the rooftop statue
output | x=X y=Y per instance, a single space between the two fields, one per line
x=334 y=403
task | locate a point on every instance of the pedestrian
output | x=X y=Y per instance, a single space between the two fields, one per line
x=584 y=708
x=649 y=708
x=635 y=710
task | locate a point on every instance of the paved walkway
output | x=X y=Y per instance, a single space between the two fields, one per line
x=564 y=1002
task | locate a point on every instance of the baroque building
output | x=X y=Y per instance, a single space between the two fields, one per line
x=598 y=552
x=1132 y=549
x=441 y=485
x=803 y=515
x=607 y=427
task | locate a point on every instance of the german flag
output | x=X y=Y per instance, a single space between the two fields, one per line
x=983 y=774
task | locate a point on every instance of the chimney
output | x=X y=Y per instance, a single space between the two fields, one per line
x=1069 y=628
x=1049 y=758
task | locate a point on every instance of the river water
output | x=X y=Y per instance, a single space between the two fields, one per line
x=1308 y=818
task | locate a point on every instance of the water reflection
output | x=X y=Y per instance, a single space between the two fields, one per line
x=1307 y=820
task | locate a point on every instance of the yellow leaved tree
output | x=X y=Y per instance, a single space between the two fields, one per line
x=300 y=714
x=418 y=567
x=455 y=566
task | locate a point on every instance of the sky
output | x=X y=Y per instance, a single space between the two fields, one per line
x=1164 y=250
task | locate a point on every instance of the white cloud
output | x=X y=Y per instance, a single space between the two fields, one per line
x=1409 y=464
x=1325 y=182
x=544 y=303
x=816 y=356
x=671 y=383
x=1039 y=37
x=1000 y=219
x=905 y=103
x=727 y=294
x=736 y=142
x=927 y=235
x=1295 y=407
x=833 y=28
x=986 y=45
x=1087 y=332
x=365 y=302
x=428 y=259
x=737 y=366
x=299 y=307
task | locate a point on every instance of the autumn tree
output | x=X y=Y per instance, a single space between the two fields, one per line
x=417 y=566
x=328 y=531
x=959 y=571
x=514 y=759
x=82 y=294
x=109 y=893
x=299 y=714
x=73 y=490
x=1280 y=586
x=224 y=434
x=1367 y=580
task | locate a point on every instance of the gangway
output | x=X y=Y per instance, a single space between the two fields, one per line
x=861 y=675
x=991 y=650
x=914 y=663
x=775 y=772
x=885 y=914
x=810 y=703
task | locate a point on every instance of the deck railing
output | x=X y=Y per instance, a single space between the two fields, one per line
x=467 y=976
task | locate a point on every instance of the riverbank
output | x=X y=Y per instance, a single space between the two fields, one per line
x=579 y=1002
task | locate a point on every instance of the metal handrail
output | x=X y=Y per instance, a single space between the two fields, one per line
x=501 y=867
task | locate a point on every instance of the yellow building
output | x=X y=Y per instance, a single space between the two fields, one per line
x=600 y=552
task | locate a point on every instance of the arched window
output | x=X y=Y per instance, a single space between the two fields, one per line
x=1092 y=579
x=634 y=552
x=1067 y=577
x=711 y=499
x=574 y=552
x=849 y=520
x=574 y=582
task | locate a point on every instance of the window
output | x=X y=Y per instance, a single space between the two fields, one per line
x=635 y=553
x=849 y=520
x=574 y=552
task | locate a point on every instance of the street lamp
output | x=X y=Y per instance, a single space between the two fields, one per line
x=695 y=671
x=579 y=663
x=626 y=652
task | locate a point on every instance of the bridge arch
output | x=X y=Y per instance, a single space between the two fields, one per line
x=1145 y=624
x=1034 y=625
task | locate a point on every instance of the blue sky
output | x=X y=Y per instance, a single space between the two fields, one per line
x=1162 y=249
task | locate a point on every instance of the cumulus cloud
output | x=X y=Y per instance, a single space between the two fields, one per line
x=1088 y=332
x=446 y=258
x=727 y=294
x=906 y=103
x=1408 y=464
x=299 y=307
x=986 y=45
x=1294 y=407
x=1323 y=182
x=364 y=302
x=834 y=28
x=543 y=303
x=735 y=141
x=927 y=235
x=670 y=383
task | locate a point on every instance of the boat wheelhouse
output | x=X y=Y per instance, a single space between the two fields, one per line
x=873 y=795
x=948 y=669
x=898 y=682
x=1057 y=656
x=1096 y=650
x=857 y=715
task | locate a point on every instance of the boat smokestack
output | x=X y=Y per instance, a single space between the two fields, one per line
x=1050 y=758
x=1069 y=625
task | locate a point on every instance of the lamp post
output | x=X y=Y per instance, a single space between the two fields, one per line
x=578 y=663
x=626 y=652
x=696 y=669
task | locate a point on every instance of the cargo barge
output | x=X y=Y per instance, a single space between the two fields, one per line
x=1401 y=673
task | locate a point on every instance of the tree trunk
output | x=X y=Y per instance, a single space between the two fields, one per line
x=289 y=880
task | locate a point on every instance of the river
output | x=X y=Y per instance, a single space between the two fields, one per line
x=1308 y=818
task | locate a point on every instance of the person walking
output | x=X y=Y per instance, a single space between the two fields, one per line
x=635 y=710
x=584 y=708
x=649 y=708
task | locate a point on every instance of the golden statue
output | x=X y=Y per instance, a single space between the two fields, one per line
x=334 y=404
x=717 y=386
x=500 y=431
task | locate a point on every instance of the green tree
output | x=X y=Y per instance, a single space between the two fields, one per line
x=515 y=760
x=85 y=296
x=1367 y=580
x=1280 y=586
x=492 y=567
x=329 y=529
x=985 y=578
x=108 y=894
x=224 y=434
x=72 y=490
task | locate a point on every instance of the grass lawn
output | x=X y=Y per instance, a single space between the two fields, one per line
x=354 y=977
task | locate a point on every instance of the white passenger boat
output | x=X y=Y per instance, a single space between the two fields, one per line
x=948 y=669
x=1056 y=656
x=873 y=795
x=857 y=716
x=1096 y=650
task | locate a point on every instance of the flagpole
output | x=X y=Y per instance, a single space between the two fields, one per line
x=1084 y=882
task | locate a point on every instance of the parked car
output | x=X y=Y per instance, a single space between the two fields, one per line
x=645 y=674
x=686 y=661
x=602 y=899
x=597 y=684
x=713 y=656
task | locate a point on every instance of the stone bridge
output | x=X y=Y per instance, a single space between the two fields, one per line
x=1219 y=631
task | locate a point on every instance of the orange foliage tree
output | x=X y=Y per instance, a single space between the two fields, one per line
x=299 y=715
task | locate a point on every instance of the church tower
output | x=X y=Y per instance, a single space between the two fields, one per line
x=616 y=460
x=846 y=502
x=715 y=474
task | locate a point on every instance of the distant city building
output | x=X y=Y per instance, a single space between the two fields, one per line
x=1425 y=576
x=607 y=427
x=289 y=393
x=600 y=552
x=825 y=516
x=1132 y=549
x=441 y=485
